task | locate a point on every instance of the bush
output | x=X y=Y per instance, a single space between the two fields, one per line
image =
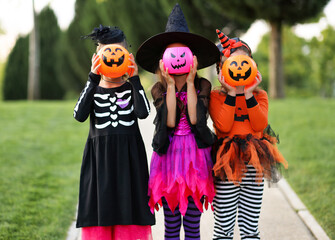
x=50 y=33
x=16 y=71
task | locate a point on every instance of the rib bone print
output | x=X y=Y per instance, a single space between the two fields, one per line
x=109 y=108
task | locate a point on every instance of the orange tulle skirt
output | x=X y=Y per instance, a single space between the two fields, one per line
x=232 y=156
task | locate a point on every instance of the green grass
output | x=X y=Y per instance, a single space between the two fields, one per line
x=41 y=147
x=307 y=140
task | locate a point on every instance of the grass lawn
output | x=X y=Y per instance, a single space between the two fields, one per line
x=307 y=140
x=41 y=147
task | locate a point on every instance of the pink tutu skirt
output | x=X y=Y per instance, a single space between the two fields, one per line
x=185 y=170
x=117 y=232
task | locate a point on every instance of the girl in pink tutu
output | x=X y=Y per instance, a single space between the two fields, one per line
x=181 y=166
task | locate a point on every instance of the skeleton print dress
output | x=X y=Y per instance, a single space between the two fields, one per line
x=114 y=173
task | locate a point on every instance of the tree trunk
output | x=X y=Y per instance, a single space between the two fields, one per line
x=34 y=60
x=276 y=84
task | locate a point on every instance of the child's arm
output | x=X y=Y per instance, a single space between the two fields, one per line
x=191 y=93
x=257 y=106
x=85 y=101
x=160 y=142
x=222 y=106
x=222 y=110
x=258 y=111
x=141 y=103
x=171 y=101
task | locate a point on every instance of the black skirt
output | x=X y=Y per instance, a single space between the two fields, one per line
x=114 y=182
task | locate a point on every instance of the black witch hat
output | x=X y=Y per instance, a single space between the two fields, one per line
x=176 y=31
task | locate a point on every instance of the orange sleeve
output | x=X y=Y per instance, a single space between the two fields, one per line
x=258 y=114
x=221 y=113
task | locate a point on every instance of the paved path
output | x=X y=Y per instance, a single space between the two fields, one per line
x=278 y=220
x=283 y=216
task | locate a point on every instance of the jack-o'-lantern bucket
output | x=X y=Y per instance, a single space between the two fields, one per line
x=114 y=61
x=239 y=70
x=178 y=60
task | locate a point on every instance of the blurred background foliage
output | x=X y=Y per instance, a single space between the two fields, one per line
x=65 y=58
x=37 y=206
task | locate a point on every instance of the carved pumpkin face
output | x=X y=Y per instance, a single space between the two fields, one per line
x=239 y=70
x=114 y=60
x=178 y=59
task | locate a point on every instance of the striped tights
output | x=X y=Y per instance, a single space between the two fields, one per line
x=173 y=221
x=246 y=198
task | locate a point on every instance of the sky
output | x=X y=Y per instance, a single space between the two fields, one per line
x=16 y=19
x=307 y=31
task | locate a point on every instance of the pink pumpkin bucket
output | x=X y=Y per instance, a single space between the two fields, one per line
x=178 y=60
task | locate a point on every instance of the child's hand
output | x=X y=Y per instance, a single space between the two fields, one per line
x=248 y=90
x=133 y=65
x=95 y=64
x=165 y=73
x=231 y=90
x=193 y=71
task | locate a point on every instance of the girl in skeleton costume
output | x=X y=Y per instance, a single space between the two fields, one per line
x=245 y=152
x=113 y=201
x=181 y=165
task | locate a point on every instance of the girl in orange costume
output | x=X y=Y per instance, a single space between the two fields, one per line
x=244 y=154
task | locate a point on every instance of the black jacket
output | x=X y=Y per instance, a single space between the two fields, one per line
x=204 y=137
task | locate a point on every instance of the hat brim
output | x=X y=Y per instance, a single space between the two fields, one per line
x=151 y=51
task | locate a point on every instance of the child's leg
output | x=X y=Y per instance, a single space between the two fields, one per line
x=191 y=221
x=172 y=222
x=250 y=204
x=225 y=205
x=96 y=233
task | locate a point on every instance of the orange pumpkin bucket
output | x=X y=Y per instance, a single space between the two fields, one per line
x=239 y=70
x=114 y=61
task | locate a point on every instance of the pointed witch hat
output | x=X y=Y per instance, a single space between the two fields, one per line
x=229 y=45
x=176 y=31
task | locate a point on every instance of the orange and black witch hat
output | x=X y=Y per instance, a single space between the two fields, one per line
x=229 y=45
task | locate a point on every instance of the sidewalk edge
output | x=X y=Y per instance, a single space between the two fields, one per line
x=73 y=233
x=302 y=211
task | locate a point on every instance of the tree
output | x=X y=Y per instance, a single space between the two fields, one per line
x=296 y=62
x=50 y=84
x=76 y=52
x=323 y=62
x=16 y=71
x=33 y=77
x=276 y=13
x=45 y=64
x=139 y=20
x=203 y=17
